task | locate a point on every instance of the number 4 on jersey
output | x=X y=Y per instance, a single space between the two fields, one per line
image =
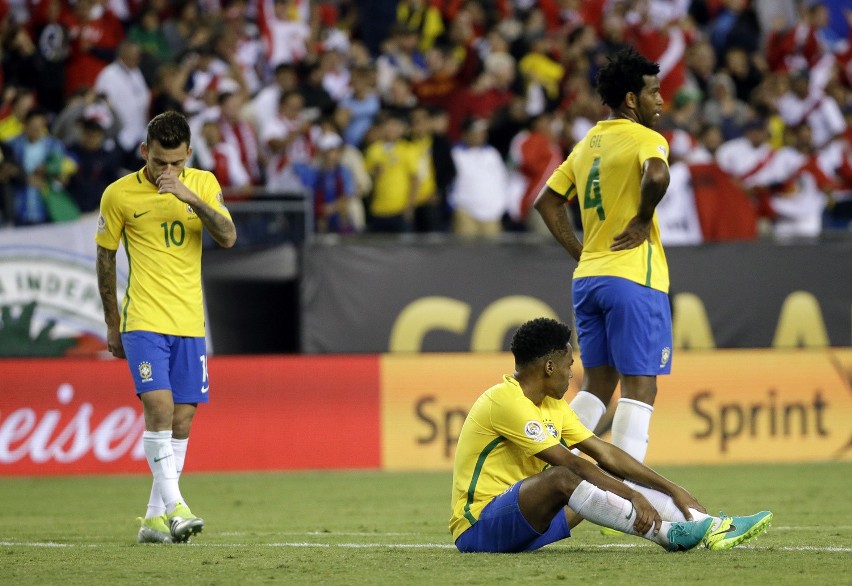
x=592 y=198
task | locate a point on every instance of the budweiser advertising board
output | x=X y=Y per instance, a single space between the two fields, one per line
x=73 y=416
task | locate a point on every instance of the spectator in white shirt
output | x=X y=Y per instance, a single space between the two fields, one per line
x=289 y=138
x=124 y=86
x=480 y=195
x=805 y=103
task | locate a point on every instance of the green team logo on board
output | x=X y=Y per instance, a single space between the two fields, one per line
x=49 y=302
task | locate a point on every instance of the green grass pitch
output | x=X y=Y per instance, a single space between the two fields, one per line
x=391 y=528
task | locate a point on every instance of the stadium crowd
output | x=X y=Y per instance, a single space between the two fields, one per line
x=430 y=115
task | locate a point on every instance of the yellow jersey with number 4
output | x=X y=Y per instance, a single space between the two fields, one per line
x=162 y=239
x=605 y=172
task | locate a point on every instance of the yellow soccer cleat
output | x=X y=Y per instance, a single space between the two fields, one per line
x=154 y=530
x=733 y=531
x=183 y=524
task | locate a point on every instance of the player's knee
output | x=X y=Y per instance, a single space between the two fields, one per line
x=565 y=480
x=180 y=428
x=642 y=389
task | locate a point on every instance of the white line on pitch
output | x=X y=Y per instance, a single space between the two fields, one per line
x=408 y=534
x=48 y=544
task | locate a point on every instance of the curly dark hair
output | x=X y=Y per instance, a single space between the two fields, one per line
x=170 y=129
x=539 y=338
x=623 y=73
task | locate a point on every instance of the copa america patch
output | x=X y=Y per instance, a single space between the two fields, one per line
x=535 y=431
x=665 y=356
x=101 y=224
x=145 y=372
x=662 y=150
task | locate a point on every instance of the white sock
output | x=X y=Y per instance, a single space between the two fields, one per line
x=666 y=506
x=589 y=409
x=630 y=427
x=161 y=459
x=610 y=510
x=179 y=448
x=156 y=506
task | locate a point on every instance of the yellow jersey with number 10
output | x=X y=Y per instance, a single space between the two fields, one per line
x=162 y=239
x=605 y=172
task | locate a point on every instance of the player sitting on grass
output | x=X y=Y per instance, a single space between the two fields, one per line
x=517 y=486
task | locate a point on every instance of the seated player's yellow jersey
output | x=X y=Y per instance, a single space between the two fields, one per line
x=605 y=171
x=162 y=239
x=497 y=445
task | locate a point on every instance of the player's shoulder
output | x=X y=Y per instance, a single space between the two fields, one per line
x=648 y=134
x=201 y=179
x=191 y=173
x=123 y=184
x=506 y=390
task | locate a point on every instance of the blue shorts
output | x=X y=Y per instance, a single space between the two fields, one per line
x=502 y=528
x=174 y=363
x=623 y=324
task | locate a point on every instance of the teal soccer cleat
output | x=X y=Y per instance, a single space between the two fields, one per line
x=687 y=534
x=735 y=530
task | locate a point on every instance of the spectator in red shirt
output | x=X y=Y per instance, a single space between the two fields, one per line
x=95 y=34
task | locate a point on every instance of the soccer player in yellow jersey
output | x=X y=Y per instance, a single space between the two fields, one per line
x=619 y=172
x=518 y=487
x=160 y=213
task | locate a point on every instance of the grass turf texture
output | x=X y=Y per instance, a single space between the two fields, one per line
x=391 y=528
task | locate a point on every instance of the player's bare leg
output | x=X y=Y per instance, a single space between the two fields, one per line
x=548 y=493
x=160 y=411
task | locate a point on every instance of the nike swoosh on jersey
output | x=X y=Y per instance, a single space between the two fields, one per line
x=205 y=389
x=135 y=215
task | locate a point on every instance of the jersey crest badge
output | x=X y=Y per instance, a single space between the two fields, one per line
x=145 y=372
x=535 y=431
x=552 y=429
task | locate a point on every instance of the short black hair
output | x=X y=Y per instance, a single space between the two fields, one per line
x=625 y=72
x=539 y=338
x=170 y=129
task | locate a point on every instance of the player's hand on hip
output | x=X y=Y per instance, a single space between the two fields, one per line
x=636 y=232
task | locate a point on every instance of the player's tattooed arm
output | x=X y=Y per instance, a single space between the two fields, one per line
x=551 y=206
x=105 y=268
x=221 y=228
